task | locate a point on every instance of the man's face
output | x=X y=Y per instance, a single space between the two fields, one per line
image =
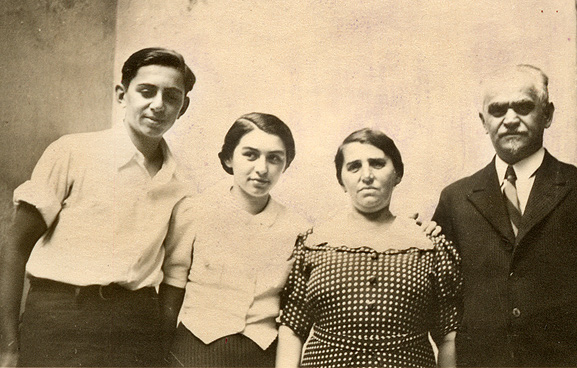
x=515 y=118
x=153 y=101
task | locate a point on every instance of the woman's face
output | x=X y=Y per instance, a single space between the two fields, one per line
x=257 y=162
x=368 y=176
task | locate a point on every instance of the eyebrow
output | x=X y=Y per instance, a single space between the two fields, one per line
x=150 y=85
x=512 y=102
x=279 y=152
x=377 y=159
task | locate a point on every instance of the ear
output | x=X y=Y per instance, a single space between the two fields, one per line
x=344 y=188
x=120 y=92
x=548 y=114
x=228 y=163
x=184 y=106
x=397 y=179
x=483 y=121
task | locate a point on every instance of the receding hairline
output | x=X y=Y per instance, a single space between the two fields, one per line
x=492 y=80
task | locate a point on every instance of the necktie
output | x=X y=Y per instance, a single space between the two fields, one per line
x=511 y=199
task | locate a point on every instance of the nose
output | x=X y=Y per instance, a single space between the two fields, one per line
x=367 y=174
x=511 y=118
x=261 y=166
x=157 y=103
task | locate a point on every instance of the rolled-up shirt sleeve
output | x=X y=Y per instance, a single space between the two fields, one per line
x=50 y=182
x=178 y=244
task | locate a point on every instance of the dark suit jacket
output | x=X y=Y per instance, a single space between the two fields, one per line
x=520 y=293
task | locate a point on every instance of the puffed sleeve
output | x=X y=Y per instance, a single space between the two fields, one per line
x=178 y=243
x=446 y=314
x=50 y=182
x=295 y=311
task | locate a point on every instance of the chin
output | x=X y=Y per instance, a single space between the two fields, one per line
x=258 y=193
x=371 y=209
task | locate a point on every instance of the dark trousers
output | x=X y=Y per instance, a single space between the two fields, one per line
x=230 y=351
x=66 y=326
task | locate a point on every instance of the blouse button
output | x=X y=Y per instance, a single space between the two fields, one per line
x=371 y=304
x=375 y=255
x=372 y=279
x=516 y=312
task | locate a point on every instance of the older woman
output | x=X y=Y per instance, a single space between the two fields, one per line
x=241 y=241
x=371 y=286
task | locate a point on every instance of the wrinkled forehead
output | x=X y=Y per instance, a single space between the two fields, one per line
x=508 y=88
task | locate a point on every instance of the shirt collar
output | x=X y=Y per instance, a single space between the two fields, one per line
x=124 y=151
x=524 y=169
x=267 y=217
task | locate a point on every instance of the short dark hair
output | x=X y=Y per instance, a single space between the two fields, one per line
x=375 y=138
x=267 y=123
x=157 y=56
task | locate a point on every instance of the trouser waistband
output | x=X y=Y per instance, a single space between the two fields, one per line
x=104 y=292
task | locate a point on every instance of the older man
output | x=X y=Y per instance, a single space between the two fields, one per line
x=89 y=226
x=515 y=225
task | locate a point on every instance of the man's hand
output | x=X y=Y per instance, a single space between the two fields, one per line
x=429 y=228
x=9 y=358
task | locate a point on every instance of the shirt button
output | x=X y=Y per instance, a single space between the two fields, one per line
x=511 y=274
x=375 y=255
x=372 y=279
x=516 y=312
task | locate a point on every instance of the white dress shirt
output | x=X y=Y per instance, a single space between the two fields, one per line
x=525 y=171
x=240 y=263
x=106 y=217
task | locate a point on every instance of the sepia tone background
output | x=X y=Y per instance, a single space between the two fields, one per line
x=325 y=67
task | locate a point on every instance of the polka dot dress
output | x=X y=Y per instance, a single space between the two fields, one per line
x=369 y=308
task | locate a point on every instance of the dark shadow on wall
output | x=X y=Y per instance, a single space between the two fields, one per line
x=56 y=60
x=5 y=209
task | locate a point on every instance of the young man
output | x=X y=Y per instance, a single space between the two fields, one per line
x=514 y=224
x=89 y=228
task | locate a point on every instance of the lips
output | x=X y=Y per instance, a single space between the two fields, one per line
x=154 y=119
x=367 y=188
x=259 y=181
x=512 y=134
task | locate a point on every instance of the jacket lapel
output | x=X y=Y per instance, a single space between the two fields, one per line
x=487 y=198
x=549 y=189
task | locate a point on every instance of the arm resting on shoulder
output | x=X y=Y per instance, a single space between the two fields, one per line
x=290 y=345
x=170 y=298
x=26 y=228
x=429 y=228
x=447 y=355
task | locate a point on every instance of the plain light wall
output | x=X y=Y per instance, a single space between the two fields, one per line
x=330 y=67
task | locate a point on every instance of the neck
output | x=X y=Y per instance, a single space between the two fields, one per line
x=382 y=216
x=150 y=149
x=250 y=204
x=148 y=146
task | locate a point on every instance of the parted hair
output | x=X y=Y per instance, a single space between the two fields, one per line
x=375 y=138
x=267 y=123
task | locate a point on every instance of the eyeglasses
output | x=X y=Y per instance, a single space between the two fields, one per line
x=500 y=109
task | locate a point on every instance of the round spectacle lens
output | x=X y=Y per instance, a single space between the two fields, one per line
x=521 y=108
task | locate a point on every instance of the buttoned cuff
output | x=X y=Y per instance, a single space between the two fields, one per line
x=174 y=281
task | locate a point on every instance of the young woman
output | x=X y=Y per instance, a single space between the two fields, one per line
x=242 y=240
x=369 y=285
